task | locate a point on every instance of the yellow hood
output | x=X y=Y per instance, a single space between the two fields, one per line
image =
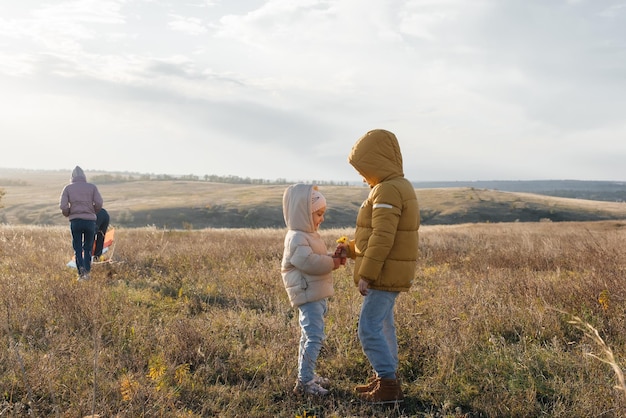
x=377 y=157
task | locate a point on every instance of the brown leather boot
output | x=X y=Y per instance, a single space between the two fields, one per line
x=385 y=391
x=368 y=386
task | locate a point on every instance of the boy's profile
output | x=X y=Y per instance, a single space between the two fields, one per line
x=385 y=249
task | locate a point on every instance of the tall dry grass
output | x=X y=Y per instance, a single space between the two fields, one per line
x=197 y=323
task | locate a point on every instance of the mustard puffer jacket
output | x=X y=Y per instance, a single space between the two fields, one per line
x=386 y=235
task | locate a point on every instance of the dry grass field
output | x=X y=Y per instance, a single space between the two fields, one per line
x=500 y=322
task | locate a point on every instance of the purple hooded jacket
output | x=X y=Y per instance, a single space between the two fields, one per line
x=79 y=199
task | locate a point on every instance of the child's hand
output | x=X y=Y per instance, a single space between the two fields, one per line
x=341 y=254
x=345 y=248
x=337 y=262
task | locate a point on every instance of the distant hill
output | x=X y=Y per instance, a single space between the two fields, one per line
x=31 y=198
x=609 y=191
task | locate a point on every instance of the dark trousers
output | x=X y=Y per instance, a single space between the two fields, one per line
x=83 y=233
x=100 y=234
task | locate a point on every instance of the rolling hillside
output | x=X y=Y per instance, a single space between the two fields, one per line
x=610 y=191
x=31 y=197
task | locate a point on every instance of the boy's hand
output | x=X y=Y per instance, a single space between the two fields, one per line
x=363 y=287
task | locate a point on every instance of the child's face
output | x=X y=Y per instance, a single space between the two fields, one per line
x=318 y=217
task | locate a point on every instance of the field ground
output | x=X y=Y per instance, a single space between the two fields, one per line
x=500 y=322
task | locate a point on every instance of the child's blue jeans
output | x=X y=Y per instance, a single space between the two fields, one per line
x=377 y=332
x=311 y=337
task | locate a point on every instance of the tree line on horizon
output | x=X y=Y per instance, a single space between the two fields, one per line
x=212 y=178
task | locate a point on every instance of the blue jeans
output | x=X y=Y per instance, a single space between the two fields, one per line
x=377 y=332
x=83 y=233
x=311 y=337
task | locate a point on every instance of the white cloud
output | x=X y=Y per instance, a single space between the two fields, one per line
x=188 y=25
x=486 y=89
x=85 y=11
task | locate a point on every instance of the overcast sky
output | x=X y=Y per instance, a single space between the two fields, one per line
x=281 y=89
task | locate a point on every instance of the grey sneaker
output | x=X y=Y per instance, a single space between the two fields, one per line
x=310 y=388
x=84 y=277
x=322 y=381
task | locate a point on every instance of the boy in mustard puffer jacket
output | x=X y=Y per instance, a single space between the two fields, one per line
x=385 y=249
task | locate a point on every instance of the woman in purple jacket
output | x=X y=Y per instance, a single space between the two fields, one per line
x=80 y=201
